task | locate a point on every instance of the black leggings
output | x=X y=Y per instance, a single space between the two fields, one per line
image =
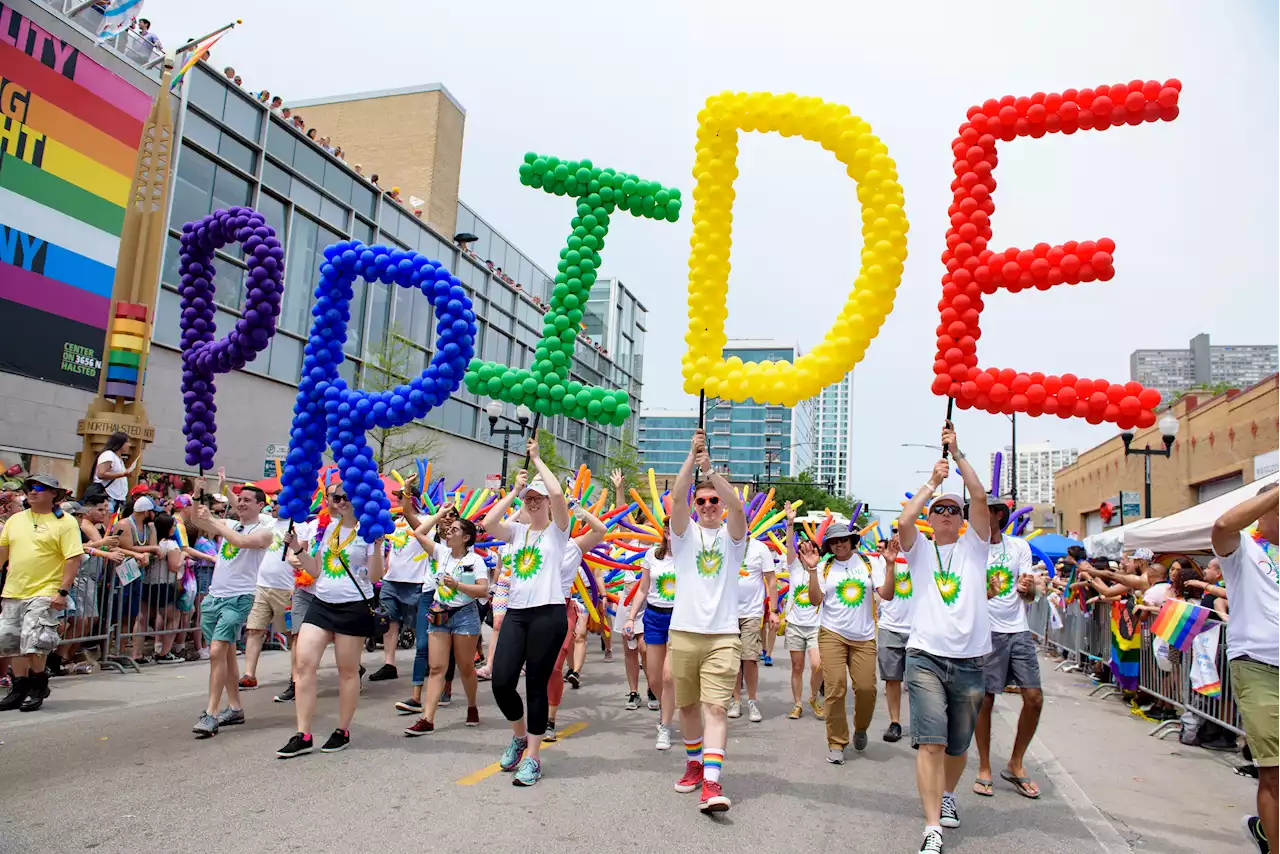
x=531 y=638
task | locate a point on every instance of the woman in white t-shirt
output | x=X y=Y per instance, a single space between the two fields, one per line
x=110 y=470
x=453 y=621
x=535 y=625
x=656 y=596
x=803 y=618
x=344 y=566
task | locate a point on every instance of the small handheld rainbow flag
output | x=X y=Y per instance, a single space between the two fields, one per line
x=1179 y=622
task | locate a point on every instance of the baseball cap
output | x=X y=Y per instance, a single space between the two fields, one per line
x=140 y=489
x=220 y=498
x=536 y=486
x=75 y=508
x=947 y=496
x=143 y=504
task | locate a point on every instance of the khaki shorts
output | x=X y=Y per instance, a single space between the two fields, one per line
x=704 y=667
x=269 y=605
x=751 y=637
x=801 y=638
x=29 y=627
x=1257 y=689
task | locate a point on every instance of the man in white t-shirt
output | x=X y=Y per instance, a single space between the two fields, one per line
x=1011 y=582
x=893 y=630
x=1253 y=643
x=950 y=636
x=241 y=548
x=705 y=640
x=270 y=602
x=757 y=593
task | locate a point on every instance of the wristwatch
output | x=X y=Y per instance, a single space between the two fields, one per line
x=64 y=593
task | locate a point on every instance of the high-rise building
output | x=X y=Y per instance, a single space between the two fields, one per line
x=1036 y=466
x=234 y=151
x=833 y=435
x=1203 y=365
x=662 y=438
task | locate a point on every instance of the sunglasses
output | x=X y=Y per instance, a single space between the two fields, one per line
x=35 y=487
x=946 y=510
x=712 y=501
x=338 y=497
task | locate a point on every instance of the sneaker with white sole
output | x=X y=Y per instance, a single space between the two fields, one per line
x=1252 y=827
x=297 y=746
x=735 y=709
x=753 y=712
x=932 y=843
x=835 y=756
x=664 y=738
x=633 y=701
x=950 y=813
x=230 y=717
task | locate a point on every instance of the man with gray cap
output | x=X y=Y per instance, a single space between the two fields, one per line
x=842 y=585
x=1013 y=658
x=950 y=636
x=42 y=546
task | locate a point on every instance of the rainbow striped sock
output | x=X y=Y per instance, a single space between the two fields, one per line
x=712 y=762
x=693 y=749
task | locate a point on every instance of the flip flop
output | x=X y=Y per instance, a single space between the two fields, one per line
x=1020 y=783
x=986 y=788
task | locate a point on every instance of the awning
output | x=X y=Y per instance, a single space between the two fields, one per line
x=1189 y=530
x=1109 y=543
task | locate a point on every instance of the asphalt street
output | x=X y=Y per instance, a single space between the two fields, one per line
x=111 y=765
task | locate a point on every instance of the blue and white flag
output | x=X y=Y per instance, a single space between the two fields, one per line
x=118 y=16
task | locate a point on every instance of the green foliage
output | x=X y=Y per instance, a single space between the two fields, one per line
x=815 y=498
x=550 y=456
x=395 y=447
x=625 y=456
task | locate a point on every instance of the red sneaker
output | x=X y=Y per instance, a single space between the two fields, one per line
x=421 y=726
x=713 y=799
x=247 y=683
x=473 y=716
x=692 y=778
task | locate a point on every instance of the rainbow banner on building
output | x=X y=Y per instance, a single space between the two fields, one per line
x=69 y=132
x=1179 y=622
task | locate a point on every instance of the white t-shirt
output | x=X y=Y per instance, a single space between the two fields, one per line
x=1252 y=584
x=407 y=561
x=537 y=565
x=708 y=602
x=117 y=489
x=1157 y=593
x=950 y=586
x=468 y=569
x=568 y=572
x=275 y=571
x=847 y=587
x=333 y=585
x=236 y=571
x=801 y=611
x=1007 y=561
x=896 y=613
x=751 y=579
x=662 y=580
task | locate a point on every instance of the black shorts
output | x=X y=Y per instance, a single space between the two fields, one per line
x=342 y=618
x=158 y=595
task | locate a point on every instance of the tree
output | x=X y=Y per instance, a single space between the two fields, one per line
x=387 y=368
x=815 y=498
x=625 y=456
x=550 y=456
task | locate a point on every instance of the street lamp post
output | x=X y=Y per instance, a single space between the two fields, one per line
x=1168 y=432
x=964 y=487
x=494 y=410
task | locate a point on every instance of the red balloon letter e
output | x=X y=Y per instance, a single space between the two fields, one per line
x=973 y=270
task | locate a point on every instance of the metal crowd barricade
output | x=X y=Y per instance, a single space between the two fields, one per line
x=1173 y=686
x=147 y=610
x=87 y=621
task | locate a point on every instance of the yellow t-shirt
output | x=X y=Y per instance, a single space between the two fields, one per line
x=40 y=545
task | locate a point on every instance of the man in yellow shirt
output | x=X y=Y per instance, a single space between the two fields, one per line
x=42 y=545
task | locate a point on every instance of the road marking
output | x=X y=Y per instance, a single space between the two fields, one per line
x=487 y=772
x=1099 y=827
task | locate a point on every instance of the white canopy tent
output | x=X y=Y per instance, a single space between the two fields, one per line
x=1190 y=530
x=1109 y=543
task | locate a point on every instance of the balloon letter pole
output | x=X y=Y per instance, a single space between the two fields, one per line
x=327 y=412
x=975 y=271
x=884 y=246
x=545 y=387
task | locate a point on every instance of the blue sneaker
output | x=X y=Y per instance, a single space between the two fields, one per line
x=529 y=772
x=766 y=659
x=511 y=756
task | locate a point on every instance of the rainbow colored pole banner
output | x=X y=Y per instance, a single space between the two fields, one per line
x=1179 y=622
x=69 y=132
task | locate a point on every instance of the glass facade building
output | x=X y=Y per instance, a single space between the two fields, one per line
x=235 y=152
x=833 y=435
x=663 y=440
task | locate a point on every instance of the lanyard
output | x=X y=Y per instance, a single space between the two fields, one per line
x=536 y=539
x=702 y=539
x=334 y=545
x=938 y=554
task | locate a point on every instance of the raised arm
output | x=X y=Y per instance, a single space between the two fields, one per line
x=493 y=520
x=911 y=510
x=260 y=538
x=791 y=534
x=734 y=516
x=595 y=530
x=890 y=557
x=426 y=526
x=680 y=516
x=979 y=514
x=1226 y=530
x=555 y=494
x=809 y=559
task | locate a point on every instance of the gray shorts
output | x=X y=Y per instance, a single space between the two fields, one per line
x=945 y=695
x=298 y=609
x=27 y=626
x=891 y=653
x=1013 y=661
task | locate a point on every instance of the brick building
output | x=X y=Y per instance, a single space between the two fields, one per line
x=1223 y=442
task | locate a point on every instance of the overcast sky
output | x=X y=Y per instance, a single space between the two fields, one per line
x=1192 y=204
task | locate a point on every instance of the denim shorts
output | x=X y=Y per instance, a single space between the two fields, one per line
x=464 y=621
x=204 y=577
x=1013 y=661
x=945 y=695
x=400 y=598
x=657 y=625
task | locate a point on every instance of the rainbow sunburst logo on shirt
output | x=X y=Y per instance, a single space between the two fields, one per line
x=277 y=543
x=1000 y=580
x=801 y=597
x=445 y=594
x=709 y=562
x=666 y=586
x=399 y=538
x=526 y=562
x=743 y=572
x=948 y=585
x=331 y=563
x=850 y=592
x=228 y=551
x=902 y=584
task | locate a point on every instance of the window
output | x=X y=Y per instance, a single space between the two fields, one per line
x=197 y=128
x=362 y=231
x=207 y=92
x=242 y=115
x=379 y=306
x=333 y=213
x=285 y=362
x=355 y=327
x=363 y=199
x=237 y=153
x=168 y=315
x=298 y=285
x=229 y=189
x=172 y=251
x=337 y=181
x=228 y=283
x=309 y=162
x=306 y=197
x=272 y=209
x=280 y=142
x=193 y=189
x=276 y=178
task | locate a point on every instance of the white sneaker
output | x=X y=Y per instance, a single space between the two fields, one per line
x=735 y=709
x=664 y=737
x=753 y=712
x=204 y=654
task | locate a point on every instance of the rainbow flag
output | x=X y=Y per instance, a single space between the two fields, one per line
x=1179 y=622
x=1126 y=643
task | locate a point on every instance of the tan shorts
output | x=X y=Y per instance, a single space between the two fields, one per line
x=1257 y=690
x=704 y=667
x=751 y=637
x=269 y=605
x=801 y=638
